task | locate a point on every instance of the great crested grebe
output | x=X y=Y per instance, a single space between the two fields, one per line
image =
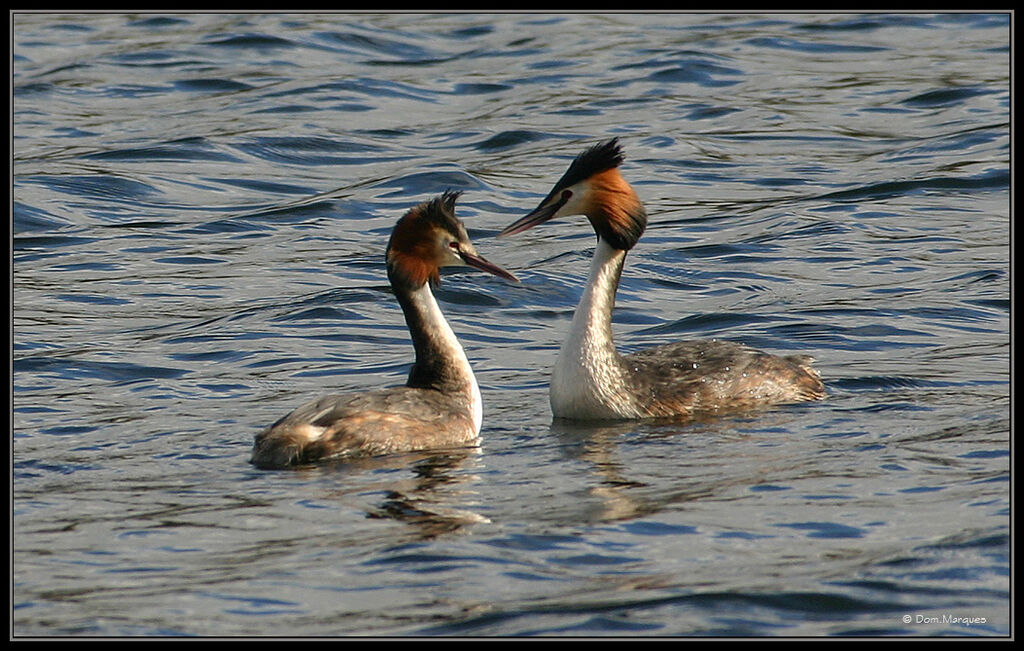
x=591 y=380
x=440 y=404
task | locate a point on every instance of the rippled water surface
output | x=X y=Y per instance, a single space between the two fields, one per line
x=201 y=204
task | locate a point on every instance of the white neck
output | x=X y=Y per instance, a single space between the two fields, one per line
x=588 y=379
x=440 y=357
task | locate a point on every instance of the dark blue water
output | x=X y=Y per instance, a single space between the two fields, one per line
x=201 y=204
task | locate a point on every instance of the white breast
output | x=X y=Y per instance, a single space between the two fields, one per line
x=587 y=381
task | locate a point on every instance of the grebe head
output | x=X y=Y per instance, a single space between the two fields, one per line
x=429 y=237
x=593 y=186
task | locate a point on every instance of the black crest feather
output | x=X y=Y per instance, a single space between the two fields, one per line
x=441 y=210
x=603 y=156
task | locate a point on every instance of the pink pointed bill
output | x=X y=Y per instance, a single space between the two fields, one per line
x=485 y=265
x=538 y=215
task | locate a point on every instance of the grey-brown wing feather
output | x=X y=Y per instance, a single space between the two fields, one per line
x=713 y=375
x=398 y=419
